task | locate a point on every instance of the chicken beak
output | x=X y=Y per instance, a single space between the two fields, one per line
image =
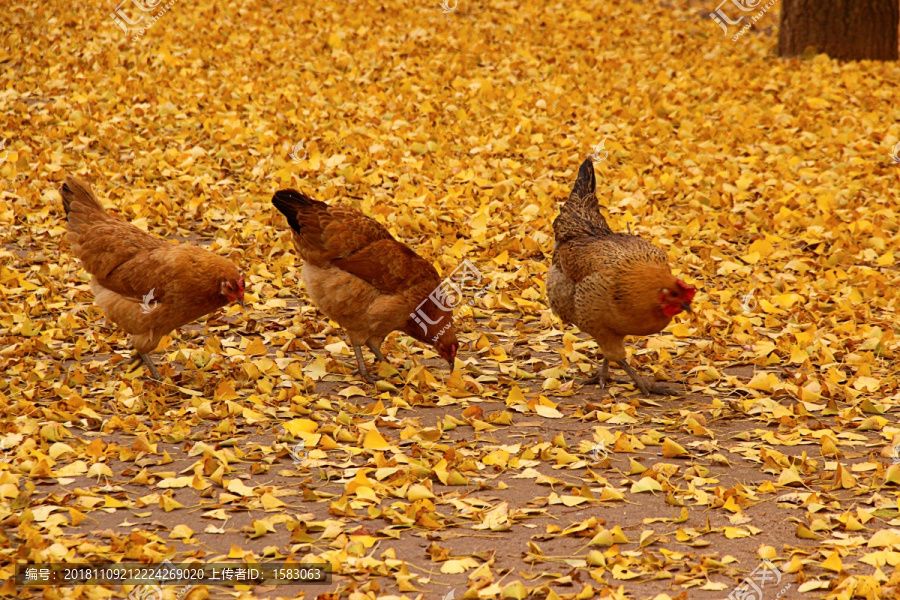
x=242 y=302
x=686 y=307
x=451 y=364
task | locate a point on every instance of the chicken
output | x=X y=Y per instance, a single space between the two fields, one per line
x=145 y=285
x=365 y=280
x=609 y=285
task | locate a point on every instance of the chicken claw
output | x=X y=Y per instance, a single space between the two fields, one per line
x=600 y=377
x=641 y=383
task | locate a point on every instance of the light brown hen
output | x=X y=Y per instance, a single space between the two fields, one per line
x=145 y=285
x=365 y=280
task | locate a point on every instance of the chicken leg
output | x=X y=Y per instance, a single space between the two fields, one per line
x=143 y=357
x=362 y=365
x=148 y=362
x=376 y=351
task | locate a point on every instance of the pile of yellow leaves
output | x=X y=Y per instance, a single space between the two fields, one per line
x=460 y=127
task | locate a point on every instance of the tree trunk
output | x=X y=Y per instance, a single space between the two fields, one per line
x=842 y=29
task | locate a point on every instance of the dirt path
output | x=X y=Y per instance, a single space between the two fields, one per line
x=539 y=501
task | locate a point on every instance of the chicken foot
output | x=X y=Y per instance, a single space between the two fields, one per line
x=602 y=376
x=641 y=383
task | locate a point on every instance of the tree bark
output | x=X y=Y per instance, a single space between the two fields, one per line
x=842 y=29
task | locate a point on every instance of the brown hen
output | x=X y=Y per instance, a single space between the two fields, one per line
x=145 y=285
x=365 y=280
x=609 y=285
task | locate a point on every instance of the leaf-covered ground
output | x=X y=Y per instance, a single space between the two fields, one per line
x=768 y=182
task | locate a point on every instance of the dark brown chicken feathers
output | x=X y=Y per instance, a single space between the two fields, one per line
x=332 y=235
x=580 y=217
x=583 y=236
x=327 y=232
x=583 y=257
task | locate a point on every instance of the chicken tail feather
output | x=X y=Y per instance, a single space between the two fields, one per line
x=586 y=182
x=291 y=203
x=80 y=203
x=580 y=216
